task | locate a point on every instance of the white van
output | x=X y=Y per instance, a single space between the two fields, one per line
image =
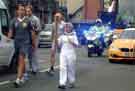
x=6 y=47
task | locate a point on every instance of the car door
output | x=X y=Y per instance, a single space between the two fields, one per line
x=6 y=47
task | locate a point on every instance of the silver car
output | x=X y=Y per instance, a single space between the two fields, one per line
x=45 y=35
x=6 y=47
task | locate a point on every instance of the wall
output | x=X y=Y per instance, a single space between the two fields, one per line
x=92 y=7
x=73 y=5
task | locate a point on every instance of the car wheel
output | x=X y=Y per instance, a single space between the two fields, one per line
x=89 y=54
x=4 y=69
x=111 y=61
x=99 y=54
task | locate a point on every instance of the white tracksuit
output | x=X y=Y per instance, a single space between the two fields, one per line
x=67 y=58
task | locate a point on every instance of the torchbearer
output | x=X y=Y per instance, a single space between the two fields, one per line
x=67 y=42
x=56 y=32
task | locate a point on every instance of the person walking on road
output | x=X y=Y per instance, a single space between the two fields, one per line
x=37 y=28
x=21 y=30
x=57 y=31
x=67 y=42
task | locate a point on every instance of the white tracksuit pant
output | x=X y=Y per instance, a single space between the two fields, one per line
x=67 y=68
x=67 y=58
x=33 y=61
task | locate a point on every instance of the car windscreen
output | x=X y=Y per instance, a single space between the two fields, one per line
x=48 y=28
x=128 y=35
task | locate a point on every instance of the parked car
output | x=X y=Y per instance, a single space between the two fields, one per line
x=45 y=35
x=123 y=48
x=6 y=47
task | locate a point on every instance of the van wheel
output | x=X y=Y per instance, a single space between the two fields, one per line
x=13 y=64
x=39 y=46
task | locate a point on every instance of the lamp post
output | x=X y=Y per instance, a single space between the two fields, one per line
x=49 y=9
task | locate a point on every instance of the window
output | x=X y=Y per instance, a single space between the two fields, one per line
x=128 y=34
x=3 y=18
x=4 y=21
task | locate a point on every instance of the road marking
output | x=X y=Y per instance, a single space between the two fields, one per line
x=4 y=82
x=44 y=70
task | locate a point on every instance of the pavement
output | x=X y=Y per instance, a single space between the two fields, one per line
x=93 y=74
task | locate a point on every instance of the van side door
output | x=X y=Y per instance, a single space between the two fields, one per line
x=6 y=47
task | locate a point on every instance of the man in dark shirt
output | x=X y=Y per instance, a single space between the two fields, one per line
x=21 y=30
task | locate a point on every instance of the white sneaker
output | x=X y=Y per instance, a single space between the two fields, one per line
x=17 y=83
x=22 y=81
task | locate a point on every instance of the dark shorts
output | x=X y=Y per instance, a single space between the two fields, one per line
x=23 y=49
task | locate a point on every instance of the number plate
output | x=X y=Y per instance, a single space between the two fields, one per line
x=133 y=54
x=129 y=54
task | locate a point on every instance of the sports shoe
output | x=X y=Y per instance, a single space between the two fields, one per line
x=62 y=87
x=71 y=85
x=34 y=73
x=51 y=71
x=18 y=83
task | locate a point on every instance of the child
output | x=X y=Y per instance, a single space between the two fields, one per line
x=68 y=41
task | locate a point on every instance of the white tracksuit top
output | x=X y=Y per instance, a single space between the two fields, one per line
x=66 y=46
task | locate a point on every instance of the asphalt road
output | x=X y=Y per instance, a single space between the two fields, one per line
x=93 y=74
